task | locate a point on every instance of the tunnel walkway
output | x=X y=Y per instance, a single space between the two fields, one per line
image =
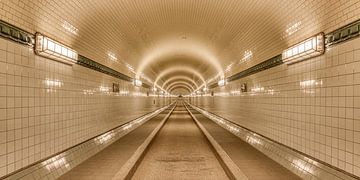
x=180 y=151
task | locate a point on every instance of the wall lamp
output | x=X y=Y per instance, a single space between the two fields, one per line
x=222 y=82
x=46 y=47
x=137 y=82
x=308 y=48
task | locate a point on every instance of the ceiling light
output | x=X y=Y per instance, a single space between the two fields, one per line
x=52 y=49
x=137 y=82
x=309 y=48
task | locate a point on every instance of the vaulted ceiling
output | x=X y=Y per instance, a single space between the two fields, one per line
x=177 y=44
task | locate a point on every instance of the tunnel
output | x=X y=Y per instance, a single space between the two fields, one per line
x=179 y=89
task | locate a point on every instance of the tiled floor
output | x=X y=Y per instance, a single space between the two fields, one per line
x=254 y=164
x=108 y=162
x=180 y=151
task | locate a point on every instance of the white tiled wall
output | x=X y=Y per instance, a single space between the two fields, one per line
x=312 y=106
x=46 y=106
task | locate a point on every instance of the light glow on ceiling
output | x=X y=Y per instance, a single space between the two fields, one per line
x=180 y=86
x=248 y=54
x=180 y=82
x=228 y=68
x=170 y=47
x=291 y=29
x=179 y=77
x=130 y=68
x=70 y=28
x=112 y=56
x=186 y=69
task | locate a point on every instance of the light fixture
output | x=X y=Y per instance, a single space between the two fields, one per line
x=46 y=47
x=205 y=89
x=137 y=82
x=222 y=82
x=309 y=48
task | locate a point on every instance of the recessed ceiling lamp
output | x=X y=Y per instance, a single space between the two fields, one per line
x=46 y=47
x=309 y=48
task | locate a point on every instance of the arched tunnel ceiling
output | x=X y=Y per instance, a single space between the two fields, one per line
x=170 y=81
x=180 y=83
x=182 y=87
x=159 y=39
x=180 y=91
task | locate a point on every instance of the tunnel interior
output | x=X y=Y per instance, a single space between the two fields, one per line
x=280 y=78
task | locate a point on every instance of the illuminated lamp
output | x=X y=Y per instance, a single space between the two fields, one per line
x=46 y=47
x=306 y=49
x=222 y=82
x=137 y=83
